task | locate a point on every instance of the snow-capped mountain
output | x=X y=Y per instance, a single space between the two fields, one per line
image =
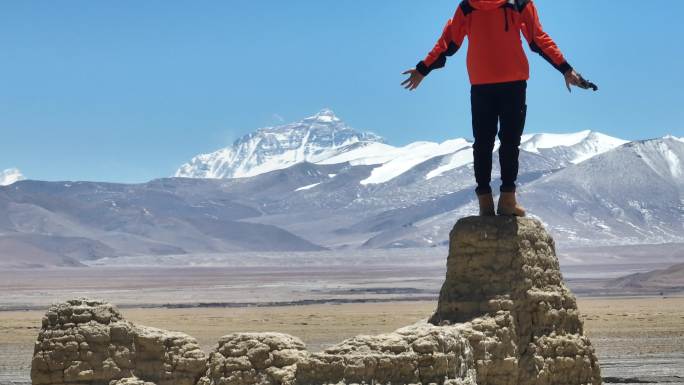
x=570 y=148
x=325 y=139
x=633 y=192
x=9 y=176
x=313 y=139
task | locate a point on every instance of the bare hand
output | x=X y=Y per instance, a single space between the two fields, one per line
x=414 y=79
x=572 y=78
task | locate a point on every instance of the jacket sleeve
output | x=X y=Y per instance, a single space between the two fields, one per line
x=540 y=41
x=447 y=45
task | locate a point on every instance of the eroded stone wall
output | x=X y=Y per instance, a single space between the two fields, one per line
x=88 y=342
x=504 y=317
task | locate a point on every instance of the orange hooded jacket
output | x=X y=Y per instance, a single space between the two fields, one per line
x=495 y=53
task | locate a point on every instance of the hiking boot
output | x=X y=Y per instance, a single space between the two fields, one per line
x=509 y=206
x=486 y=205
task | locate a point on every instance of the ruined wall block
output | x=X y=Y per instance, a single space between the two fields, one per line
x=86 y=341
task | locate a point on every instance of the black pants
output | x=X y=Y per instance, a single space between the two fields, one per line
x=494 y=105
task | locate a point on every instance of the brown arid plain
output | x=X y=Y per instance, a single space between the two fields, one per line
x=634 y=337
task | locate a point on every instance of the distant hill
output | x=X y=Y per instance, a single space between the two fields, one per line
x=667 y=281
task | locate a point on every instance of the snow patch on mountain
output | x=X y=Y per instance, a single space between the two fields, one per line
x=576 y=147
x=309 y=187
x=674 y=163
x=535 y=142
x=365 y=154
x=458 y=159
x=661 y=156
x=313 y=139
x=411 y=156
x=10 y=176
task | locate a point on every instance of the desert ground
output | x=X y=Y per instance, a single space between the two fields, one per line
x=322 y=302
x=640 y=338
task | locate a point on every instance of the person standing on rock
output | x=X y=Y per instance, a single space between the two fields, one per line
x=498 y=70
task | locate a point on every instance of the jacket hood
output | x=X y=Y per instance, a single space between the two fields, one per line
x=487 y=5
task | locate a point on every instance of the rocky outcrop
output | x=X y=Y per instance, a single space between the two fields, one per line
x=88 y=342
x=504 y=317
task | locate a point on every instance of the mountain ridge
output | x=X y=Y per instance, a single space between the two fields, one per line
x=253 y=154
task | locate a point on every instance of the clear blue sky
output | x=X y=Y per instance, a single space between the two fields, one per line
x=128 y=90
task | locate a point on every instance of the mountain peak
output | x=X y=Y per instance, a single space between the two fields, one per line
x=325 y=115
x=312 y=139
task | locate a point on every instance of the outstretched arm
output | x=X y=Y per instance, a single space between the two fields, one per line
x=541 y=43
x=447 y=45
